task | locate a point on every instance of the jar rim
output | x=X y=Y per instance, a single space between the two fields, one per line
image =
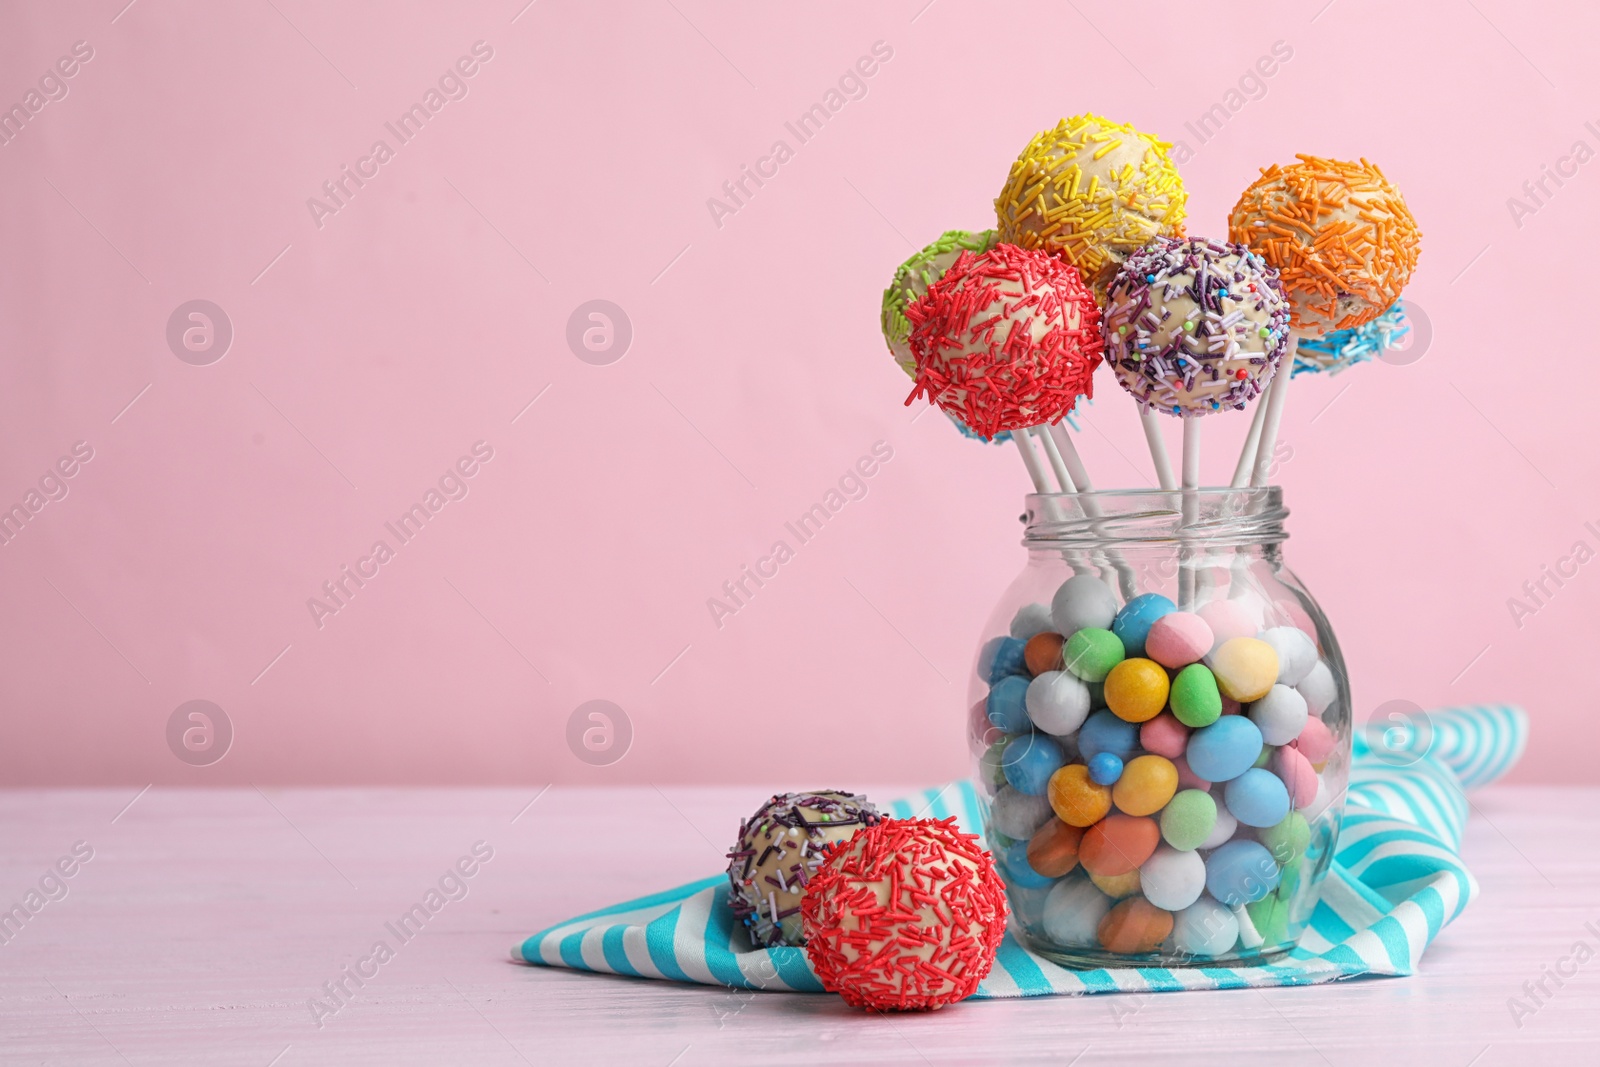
x=1214 y=516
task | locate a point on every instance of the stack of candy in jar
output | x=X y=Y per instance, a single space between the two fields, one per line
x=1155 y=774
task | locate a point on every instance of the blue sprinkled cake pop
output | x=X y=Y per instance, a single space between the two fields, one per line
x=1341 y=349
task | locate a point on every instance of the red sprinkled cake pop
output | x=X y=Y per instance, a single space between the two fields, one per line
x=1006 y=340
x=905 y=916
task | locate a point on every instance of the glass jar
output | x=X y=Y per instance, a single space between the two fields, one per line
x=1161 y=723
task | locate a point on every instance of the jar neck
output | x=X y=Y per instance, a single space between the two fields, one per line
x=1128 y=518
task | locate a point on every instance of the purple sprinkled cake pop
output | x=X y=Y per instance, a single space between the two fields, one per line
x=1194 y=326
x=779 y=848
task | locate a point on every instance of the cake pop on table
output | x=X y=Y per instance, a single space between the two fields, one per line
x=779 y=850
x=906 y=915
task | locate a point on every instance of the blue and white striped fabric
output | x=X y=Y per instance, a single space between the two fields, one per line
x=1396 y=881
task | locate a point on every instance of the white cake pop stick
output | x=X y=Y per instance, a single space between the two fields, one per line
x=1069 y=453
x=1158 y=449
x=1191 y=511
x=1057 y=463
x=1276 y=397
x=1057 y=433
x=1191 y=452
x=1036 y=470
x=1040 y=476
x=1247 y=453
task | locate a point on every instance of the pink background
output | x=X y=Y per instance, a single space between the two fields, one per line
x=431 y=309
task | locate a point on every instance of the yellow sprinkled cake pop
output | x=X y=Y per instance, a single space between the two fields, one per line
x=1093 y=192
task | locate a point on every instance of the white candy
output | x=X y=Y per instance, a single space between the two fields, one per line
x=1318 y=688
x=1029 y=620
x=1297 y=653
x=1280 y=715
x=1081 y=602
x=1072 y=912
x=1249 y=937
x=1018 y=815
x=1172 y=880
x=1057 y=702
x=1222 y=831
x=1027 y=905
x=1204 y=928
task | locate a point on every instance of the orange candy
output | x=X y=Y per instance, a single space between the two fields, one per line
x=1077 y=799
x=1053 y=850
x=1134 y=926
x=1147 y=783
x=1043 y=653
x=1136 y=689
x=1118 y=844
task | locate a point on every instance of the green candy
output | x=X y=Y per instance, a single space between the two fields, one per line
x=990 y=767
x=1270 y=915
x=1188 y=819
x=1287 y=841
x=1195 y=699
x=1097 y=695
x=1092 y=652
x=1265 y=757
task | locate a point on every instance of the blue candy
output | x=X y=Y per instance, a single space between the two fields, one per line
x=1002 y=656
x=1007 y=707
x=1224 y=750
x=1015 y=861
x=1133 y=622
x=1105 y=768
x=1257 y=798
x=1241 y=872
x=1029 y=762
x=1104 y=732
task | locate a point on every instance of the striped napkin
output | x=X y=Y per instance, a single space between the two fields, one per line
x=1396 y=881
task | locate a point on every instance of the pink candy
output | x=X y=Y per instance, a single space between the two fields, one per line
x=1295 y=770
x=1178 y=639
x=1228 y=619
x=1187 y=779
x=1315 y=741
x=1164 y=735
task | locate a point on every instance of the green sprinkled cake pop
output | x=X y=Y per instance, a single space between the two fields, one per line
x=911 y=281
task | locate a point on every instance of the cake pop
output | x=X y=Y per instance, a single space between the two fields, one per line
x=1339 y=234
x=1342 y=349
x=1344 y=244
x=1092 y=191
x=911 y=280
x=1194 y=326
x=1005 y=340
x=906 y=915
x=778 y=851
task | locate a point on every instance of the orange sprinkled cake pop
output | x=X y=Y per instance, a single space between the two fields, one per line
x=1339 y=233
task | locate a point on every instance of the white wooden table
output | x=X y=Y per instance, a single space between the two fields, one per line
x=206 y=920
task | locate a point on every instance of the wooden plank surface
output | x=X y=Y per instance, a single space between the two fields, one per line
x=205 y=921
